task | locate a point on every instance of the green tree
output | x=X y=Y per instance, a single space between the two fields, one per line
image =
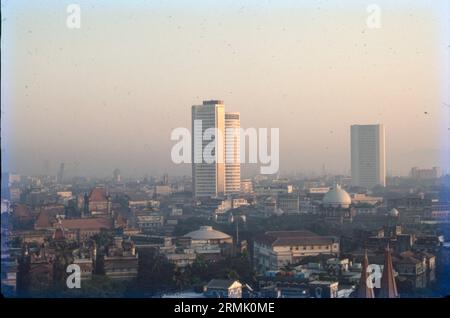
x=155 y=272
x=103 y=238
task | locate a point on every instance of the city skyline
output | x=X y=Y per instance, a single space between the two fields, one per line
x=243 y=151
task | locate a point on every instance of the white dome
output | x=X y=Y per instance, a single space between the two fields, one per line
x=336 y=198
x=207 y=233
x=394 y=212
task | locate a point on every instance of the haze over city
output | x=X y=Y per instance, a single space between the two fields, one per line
x=109 y=94
x=179 y=152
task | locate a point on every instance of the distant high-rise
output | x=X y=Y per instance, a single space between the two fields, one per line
x=116 y=176
x=165 y=179
x=208 y=176
x=46 y=167
x=368 y=158
x=222 y=174
x=232 y=153
x=60 y=175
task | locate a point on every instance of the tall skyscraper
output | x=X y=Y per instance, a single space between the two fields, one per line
x=60 y=175
x=368 y=157
x=232 y=153
x=208 y=176
x=116 y=175
x=220 y=174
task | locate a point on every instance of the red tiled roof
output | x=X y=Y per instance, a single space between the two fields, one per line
x=43 y=220
x=303 y=240
x=283 y=238
x=87 y=224
x=98 y=195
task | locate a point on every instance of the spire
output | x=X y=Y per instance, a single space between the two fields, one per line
x=364 y=291
x=388 y=285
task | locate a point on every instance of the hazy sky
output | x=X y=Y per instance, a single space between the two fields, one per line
x=108 y=94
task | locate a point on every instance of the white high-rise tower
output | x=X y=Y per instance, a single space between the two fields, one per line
x=208 y=176
x=222 y=175
x=232 y=153
x=368 y=157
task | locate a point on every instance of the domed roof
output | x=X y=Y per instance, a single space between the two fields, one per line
x=394 y=212
x=336 y=197
x=207 y=233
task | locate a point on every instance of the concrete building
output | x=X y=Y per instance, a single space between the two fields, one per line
x=216 y=133
x=289 y=203
x=85 y=258
x=274 y=250
x=99 y=202
x=206 y=235
x=433 y=173
x=121 y=260
x=60 y=175
x=232 y=153
x=208 y=176
x=246 y=186
x=116 y=176
x=207 y=242
x=163 y=190
x=223 y=288
x=336 y=205
x=82 y=229
x=145 y=221
x=368 y=157
x=323 y=289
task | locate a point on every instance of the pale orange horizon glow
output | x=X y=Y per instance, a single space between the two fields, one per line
x=109 y=94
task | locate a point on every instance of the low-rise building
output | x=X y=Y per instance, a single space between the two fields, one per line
x=274 y=250
x=323 y=289
x=223 y=288
x=82 y=229
x=289 y=203
x=121 y=260
x=145 y=221
x=208 y=243
x=85 y=259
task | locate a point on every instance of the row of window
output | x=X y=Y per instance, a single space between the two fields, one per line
x=312 y=247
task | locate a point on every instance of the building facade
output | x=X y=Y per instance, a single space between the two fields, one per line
x=215 y=157
x=274 y=250
x=223 y=288
x=232 y=153
x=368 y=157
x=208 y=176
